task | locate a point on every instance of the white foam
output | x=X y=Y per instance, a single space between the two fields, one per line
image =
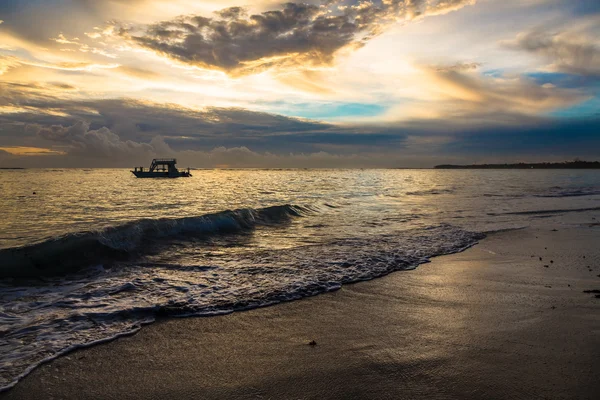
x=41 y=322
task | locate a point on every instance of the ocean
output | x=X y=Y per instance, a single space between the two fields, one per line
x=87 y=255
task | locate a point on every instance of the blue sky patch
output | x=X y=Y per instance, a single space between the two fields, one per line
x=590 y=108
x=332 y=111
x=560 y=79
x=494 y=73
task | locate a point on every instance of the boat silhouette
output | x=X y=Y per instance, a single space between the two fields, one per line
x=161 y=168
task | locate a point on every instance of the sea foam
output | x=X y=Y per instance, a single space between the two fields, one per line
x=45 y=318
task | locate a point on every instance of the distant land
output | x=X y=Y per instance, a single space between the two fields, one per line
x=11 y=168
x=561 y=165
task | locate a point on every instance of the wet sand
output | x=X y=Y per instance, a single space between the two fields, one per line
x=492 y=322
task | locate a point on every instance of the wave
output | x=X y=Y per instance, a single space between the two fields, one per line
x=76 y=250
x=42 y=321
x=430 y=192
x=560 y=192
x=556 y=211
x=503 y=230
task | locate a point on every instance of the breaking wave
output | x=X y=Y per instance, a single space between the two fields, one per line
x=76 y=250
x=42 y=320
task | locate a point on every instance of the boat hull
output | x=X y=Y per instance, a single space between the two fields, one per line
x=157 y=174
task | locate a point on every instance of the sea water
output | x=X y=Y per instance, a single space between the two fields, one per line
x=88 y=255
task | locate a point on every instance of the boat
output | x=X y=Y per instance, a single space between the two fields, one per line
x=161 y=168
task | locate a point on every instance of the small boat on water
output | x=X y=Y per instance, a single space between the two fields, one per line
x=161 y=168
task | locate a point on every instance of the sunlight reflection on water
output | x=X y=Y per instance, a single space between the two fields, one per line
x=72 y=200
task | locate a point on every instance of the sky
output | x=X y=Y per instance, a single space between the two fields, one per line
x=321 y=83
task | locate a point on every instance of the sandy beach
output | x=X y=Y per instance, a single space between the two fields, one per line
x=493 y=322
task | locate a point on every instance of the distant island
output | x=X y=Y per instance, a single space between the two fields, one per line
x=577 y=164
x=11 y=168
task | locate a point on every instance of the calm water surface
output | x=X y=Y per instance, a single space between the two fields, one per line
x=70 y=200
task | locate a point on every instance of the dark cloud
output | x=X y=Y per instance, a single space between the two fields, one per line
x=95 y=143
x=128 y=132
x=298 y=33
x=5 y=155
x=88 y=126
x=103 y=147
x=233 y=39
x=585 y=7
x=557 y=139
x=545 y=141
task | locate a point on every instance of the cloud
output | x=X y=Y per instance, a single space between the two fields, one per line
x=458 y=95
x=458 y=67
x=94 y=143
x=181 y=127
x=6 y=63
x=70 y=66
x=88 y=147
x=9 y=62
x=296 y=34
x=30 y=151
x=570 y=52
x=510 y=94
x=136 y=72
x=38 y=21
x=545 y=141
x=478 y=116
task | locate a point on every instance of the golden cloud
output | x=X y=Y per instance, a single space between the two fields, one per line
x=31 y=151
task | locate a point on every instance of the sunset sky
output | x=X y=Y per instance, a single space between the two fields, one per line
x=322 y=83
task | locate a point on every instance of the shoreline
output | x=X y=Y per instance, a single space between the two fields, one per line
x=468 y=324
